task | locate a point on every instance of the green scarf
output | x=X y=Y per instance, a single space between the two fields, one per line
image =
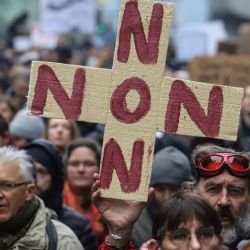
x=11 y=231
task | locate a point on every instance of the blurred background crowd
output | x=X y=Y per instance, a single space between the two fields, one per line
x=83 y=32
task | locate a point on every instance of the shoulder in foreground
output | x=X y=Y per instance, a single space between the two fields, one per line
x=66 y=237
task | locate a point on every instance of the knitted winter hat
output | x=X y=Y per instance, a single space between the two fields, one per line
x=27 y=126
x=170 y=166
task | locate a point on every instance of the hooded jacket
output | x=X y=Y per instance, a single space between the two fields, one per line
x=53 y=198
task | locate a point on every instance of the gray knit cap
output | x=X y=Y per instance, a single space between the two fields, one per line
x=170 y=166
x=27 y=126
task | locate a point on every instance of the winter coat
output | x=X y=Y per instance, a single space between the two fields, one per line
x=142 y=230
x=36 y=237
x=81 y=226
x=92 y=213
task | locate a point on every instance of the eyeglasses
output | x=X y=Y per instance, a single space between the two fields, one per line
x=181 y=237
x=212 y=164
x=9 y=185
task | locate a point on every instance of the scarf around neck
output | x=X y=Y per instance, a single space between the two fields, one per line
x=14 y=229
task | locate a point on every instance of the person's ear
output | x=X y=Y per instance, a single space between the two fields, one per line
x=30 y=192
x=152 y=244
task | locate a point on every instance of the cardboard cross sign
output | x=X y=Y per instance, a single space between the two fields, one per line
x=134 y=99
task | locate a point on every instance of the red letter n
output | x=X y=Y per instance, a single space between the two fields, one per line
x=47 y=80
x=180 y=94
x=113 y=159
x=147 y=52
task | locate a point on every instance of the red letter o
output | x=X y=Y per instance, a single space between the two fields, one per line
x=119 y=105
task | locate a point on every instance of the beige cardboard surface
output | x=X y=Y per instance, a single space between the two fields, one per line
x=225 y=70
x=95 y=102
x=230 y=112
x=146 y=128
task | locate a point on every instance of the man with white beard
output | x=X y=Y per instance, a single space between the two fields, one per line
x=223 y=179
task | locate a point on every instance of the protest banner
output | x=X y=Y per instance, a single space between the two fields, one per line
x=244 y=39
x=230 y=70
x=134 y=100
x=68 y=16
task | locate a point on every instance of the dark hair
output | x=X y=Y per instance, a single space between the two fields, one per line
x=84 y=142
x=202 y=141
x=4 y=126
x=180 y=208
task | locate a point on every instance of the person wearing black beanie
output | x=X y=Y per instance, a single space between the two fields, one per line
x=50 y=176
x=50 y=181
x=171 y=168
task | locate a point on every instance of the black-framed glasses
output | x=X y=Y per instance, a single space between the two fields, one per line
x=10 y=185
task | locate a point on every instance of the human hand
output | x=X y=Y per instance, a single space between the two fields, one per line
x=120 y=215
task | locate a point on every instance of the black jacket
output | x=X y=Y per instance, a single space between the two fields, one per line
x=80 y=225
x=53 y=198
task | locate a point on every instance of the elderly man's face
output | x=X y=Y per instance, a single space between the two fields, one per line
x=13 y=199
x=229 y=195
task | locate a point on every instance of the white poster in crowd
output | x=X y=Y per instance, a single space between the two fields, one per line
x=68 y=16
x=198 y=39
x=41 y=39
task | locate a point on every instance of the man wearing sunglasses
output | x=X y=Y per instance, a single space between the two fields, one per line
x=24 y=221
x=223 y=178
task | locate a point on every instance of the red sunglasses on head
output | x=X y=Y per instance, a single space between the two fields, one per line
x=212 y=164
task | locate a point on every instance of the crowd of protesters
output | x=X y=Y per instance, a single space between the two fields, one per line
x=49 y=198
